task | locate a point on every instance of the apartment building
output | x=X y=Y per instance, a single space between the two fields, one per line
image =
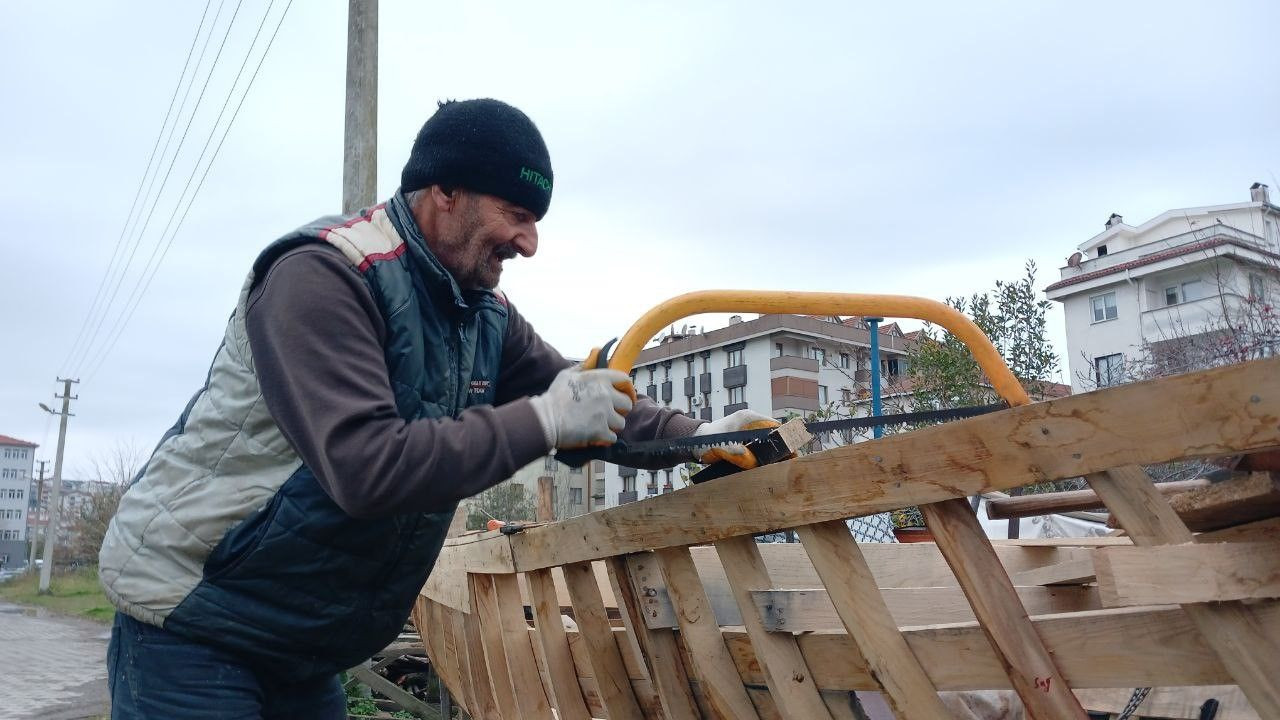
x=574 y=491
x=76 y=496
x=1132 y=291
x=17 y=459
x=778 y=365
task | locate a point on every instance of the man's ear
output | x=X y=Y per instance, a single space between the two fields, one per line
x=443 y=201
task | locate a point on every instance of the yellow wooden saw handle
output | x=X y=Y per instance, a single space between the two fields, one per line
x=772 y=302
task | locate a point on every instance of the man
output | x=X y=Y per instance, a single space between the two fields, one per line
x=369 y=379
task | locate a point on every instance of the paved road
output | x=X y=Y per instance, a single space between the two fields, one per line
x=53 y=666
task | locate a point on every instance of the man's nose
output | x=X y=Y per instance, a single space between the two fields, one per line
x=526 y=240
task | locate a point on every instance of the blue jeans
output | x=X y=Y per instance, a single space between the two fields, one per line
x=153 y=674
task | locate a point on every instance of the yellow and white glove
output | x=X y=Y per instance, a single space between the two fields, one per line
x=735 y=453
x=584 y=407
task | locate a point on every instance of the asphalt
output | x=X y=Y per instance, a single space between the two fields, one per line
x=53 y=667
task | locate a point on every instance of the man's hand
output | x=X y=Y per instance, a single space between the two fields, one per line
x=584 y=407
x=735 y=453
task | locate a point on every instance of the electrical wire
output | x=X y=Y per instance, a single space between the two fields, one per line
x=85 y=354
x=97 y=295
x=217 y=149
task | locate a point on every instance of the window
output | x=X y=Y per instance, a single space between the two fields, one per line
x=688 y=366
x=822 y=394
x=666 y=371
x=817 y=353
x=706 y=362
x=575 y=496
x=575 y=470
x=846 y=395
x=1102 y=250
x=777 y=349
x=844 y=360
x=629 y=483
x=1257 y=287
x=890 y=367
x=1109 y=369
x=1104 y=307
x=1186 y=292
x=735 y=357
x=736 y=395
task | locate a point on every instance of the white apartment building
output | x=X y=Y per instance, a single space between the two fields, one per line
x=17 y=458
x=778 y=365
x=1131 y=288
x=574 y=491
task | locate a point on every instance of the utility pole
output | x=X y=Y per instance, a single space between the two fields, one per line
x=360 y=153
x=35 y=523
x=55 y=500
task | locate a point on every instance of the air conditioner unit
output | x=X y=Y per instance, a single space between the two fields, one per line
x=697 y=401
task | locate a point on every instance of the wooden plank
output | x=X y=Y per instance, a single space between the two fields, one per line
x=530 y=695
x=711 y=664
x=657 y=647
x=852 y=590
x=1243 y=498
x=1194 y=415
x=1192 y=573
x=555 y=647
x=807 y=610
x=1021 y=506
x=1251 y=654
x=455 y=622
x=393 y=692
x=1072 y=572
x=788 y=677
x=602 y=650
x=495 y=658
x=481 y=680
x=913 y=578
x=1028 y=663
x=1256 y=531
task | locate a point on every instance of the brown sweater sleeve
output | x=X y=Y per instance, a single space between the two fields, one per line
x=317 y=342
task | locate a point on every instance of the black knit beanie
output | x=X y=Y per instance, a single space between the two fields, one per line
x=485 y=146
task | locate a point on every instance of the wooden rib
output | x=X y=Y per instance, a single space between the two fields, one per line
x=657 y=647
x=1194 y=415
x=1192 y=573
x=852 y=589
x=712 y=665
x=555 y=647
x=530 y=695
x=486 y=604
x=788 y=677
x=454 y=621
x=1250 y=654
x=1007 y=508
x=1246 y=497
x=602 y=651
x=481 y=680
x=1028 y=663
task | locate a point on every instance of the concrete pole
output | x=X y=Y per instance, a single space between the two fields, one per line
x=35 y=522
x=55 y=500
x=360 y=152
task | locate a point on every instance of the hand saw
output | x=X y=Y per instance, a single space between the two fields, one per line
x=1001 y=379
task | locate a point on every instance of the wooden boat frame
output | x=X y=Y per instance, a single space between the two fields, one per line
x=668 y=608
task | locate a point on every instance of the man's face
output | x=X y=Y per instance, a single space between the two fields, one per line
x=479 y=234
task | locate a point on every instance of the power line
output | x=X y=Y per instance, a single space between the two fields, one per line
x=138 y=192
x=85 y=353
x=116 y=333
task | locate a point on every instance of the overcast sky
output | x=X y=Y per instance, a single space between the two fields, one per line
x=914 y=148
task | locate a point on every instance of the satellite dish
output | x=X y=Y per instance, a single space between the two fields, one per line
x=1074 y=260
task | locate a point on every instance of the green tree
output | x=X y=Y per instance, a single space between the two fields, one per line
x=944 y=374
x=506 y=501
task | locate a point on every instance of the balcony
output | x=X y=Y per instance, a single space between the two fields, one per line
x=666 y=391
x=627 y=496
x=1187 y=318
x=793 y=362
x=735 y=376
x=704 y=383
x=690 y=386
x=735 y=407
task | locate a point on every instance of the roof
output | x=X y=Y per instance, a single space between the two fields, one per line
x=6 y=440
x=1157 y=257
x=1121 y=228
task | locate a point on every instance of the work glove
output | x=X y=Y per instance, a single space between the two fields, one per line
x=735 y=453
x=584 y=407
